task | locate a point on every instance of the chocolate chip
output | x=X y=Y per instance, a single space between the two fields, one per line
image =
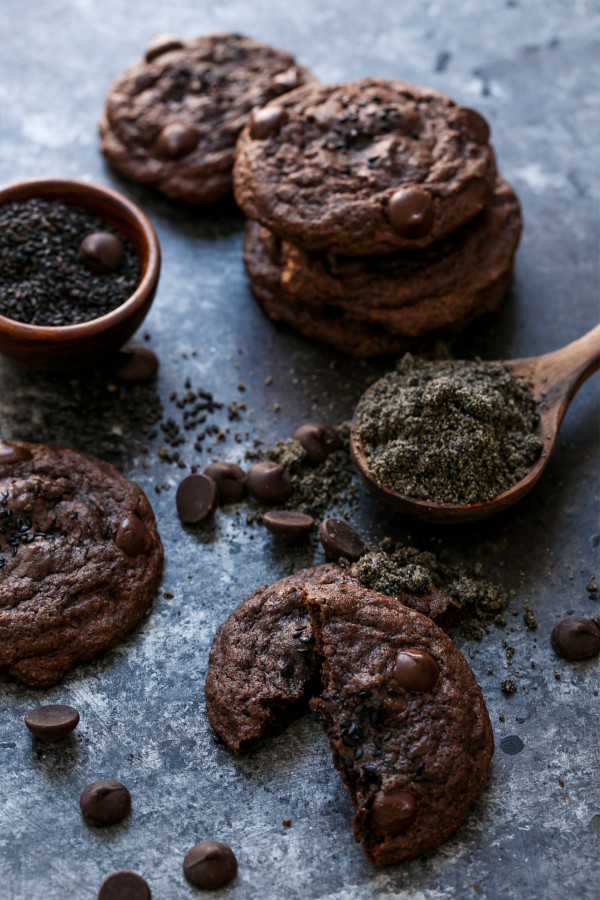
x=340 y=539
x=229 y=479
x=52 y=722
x=393 y=813
x=210 y=865
x=11 y=453
x=511 y=744
x=134 y=365
x=124 y=886
x=105 y=803
x=318 y=440
x=269 y=483
x=133 y=538
x=410 y=212
x=415 y=670
x=197 y=498
x=576 y=638
x=288 y=524
x=102 y=252
x=177 y=140
x=162 y=43
x=475 y=125
x=266 y=120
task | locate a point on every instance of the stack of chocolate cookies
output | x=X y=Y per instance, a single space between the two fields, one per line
x=377 y=216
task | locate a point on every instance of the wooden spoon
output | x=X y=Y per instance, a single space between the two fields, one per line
x=555 y=378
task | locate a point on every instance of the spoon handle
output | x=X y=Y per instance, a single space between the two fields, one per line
x=558 y=375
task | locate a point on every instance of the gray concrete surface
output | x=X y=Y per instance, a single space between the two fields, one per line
x=532 y=69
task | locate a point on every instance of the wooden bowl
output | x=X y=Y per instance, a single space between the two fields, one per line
x=73 y=346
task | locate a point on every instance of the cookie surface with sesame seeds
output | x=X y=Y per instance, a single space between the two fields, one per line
x=365 y=167
x=172 y=119
x=80 y=559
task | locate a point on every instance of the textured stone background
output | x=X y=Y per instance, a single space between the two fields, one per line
x=532 y=69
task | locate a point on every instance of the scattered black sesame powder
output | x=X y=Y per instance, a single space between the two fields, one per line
x=42 y=278
x=402 y=568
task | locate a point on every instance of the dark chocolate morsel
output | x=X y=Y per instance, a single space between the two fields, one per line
x=229 y=479
x=475 y=125
x=124 y=886
x=210 y=865
x=511 y=744
x=134 y=365
x=12 y=453
x=288 y=524
x=393 y=813
x=102 y=252
x=105 y=803
x=318 y=440
x=415 y=670
x=410 y=212
x=340 y=539
x=52 y=722
x=176 y=140
x=162 y=43
x=197 y=498
x=265 y=121
x=576 y=638
x=133 y=538
x=269 y=483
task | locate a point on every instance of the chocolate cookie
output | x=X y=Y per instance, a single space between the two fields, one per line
x=80 y=559
x=262 y=669
x=364 y=168
x=388 y=303
x=407 y=724
x=172 y=119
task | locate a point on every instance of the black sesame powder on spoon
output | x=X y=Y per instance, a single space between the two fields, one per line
x=45 y=278
x=452 y=432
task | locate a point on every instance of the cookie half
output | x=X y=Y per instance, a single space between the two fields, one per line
x=387 y=304
x=364 y=168
x=80 y=559
x=262 y=666
x=405 y=718
x=172 y=120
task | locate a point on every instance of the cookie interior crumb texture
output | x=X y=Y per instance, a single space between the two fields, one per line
x=452 y=432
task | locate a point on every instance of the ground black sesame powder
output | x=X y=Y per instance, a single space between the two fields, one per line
x=451 y=432
x=43 y=280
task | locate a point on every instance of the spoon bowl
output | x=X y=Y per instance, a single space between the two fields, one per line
x=555 y=378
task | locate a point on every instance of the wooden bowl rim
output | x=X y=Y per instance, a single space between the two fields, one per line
x=30 y=187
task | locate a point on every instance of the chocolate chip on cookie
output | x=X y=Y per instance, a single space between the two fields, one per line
x=363 y=168
x=172 y=120
x=63 y=513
